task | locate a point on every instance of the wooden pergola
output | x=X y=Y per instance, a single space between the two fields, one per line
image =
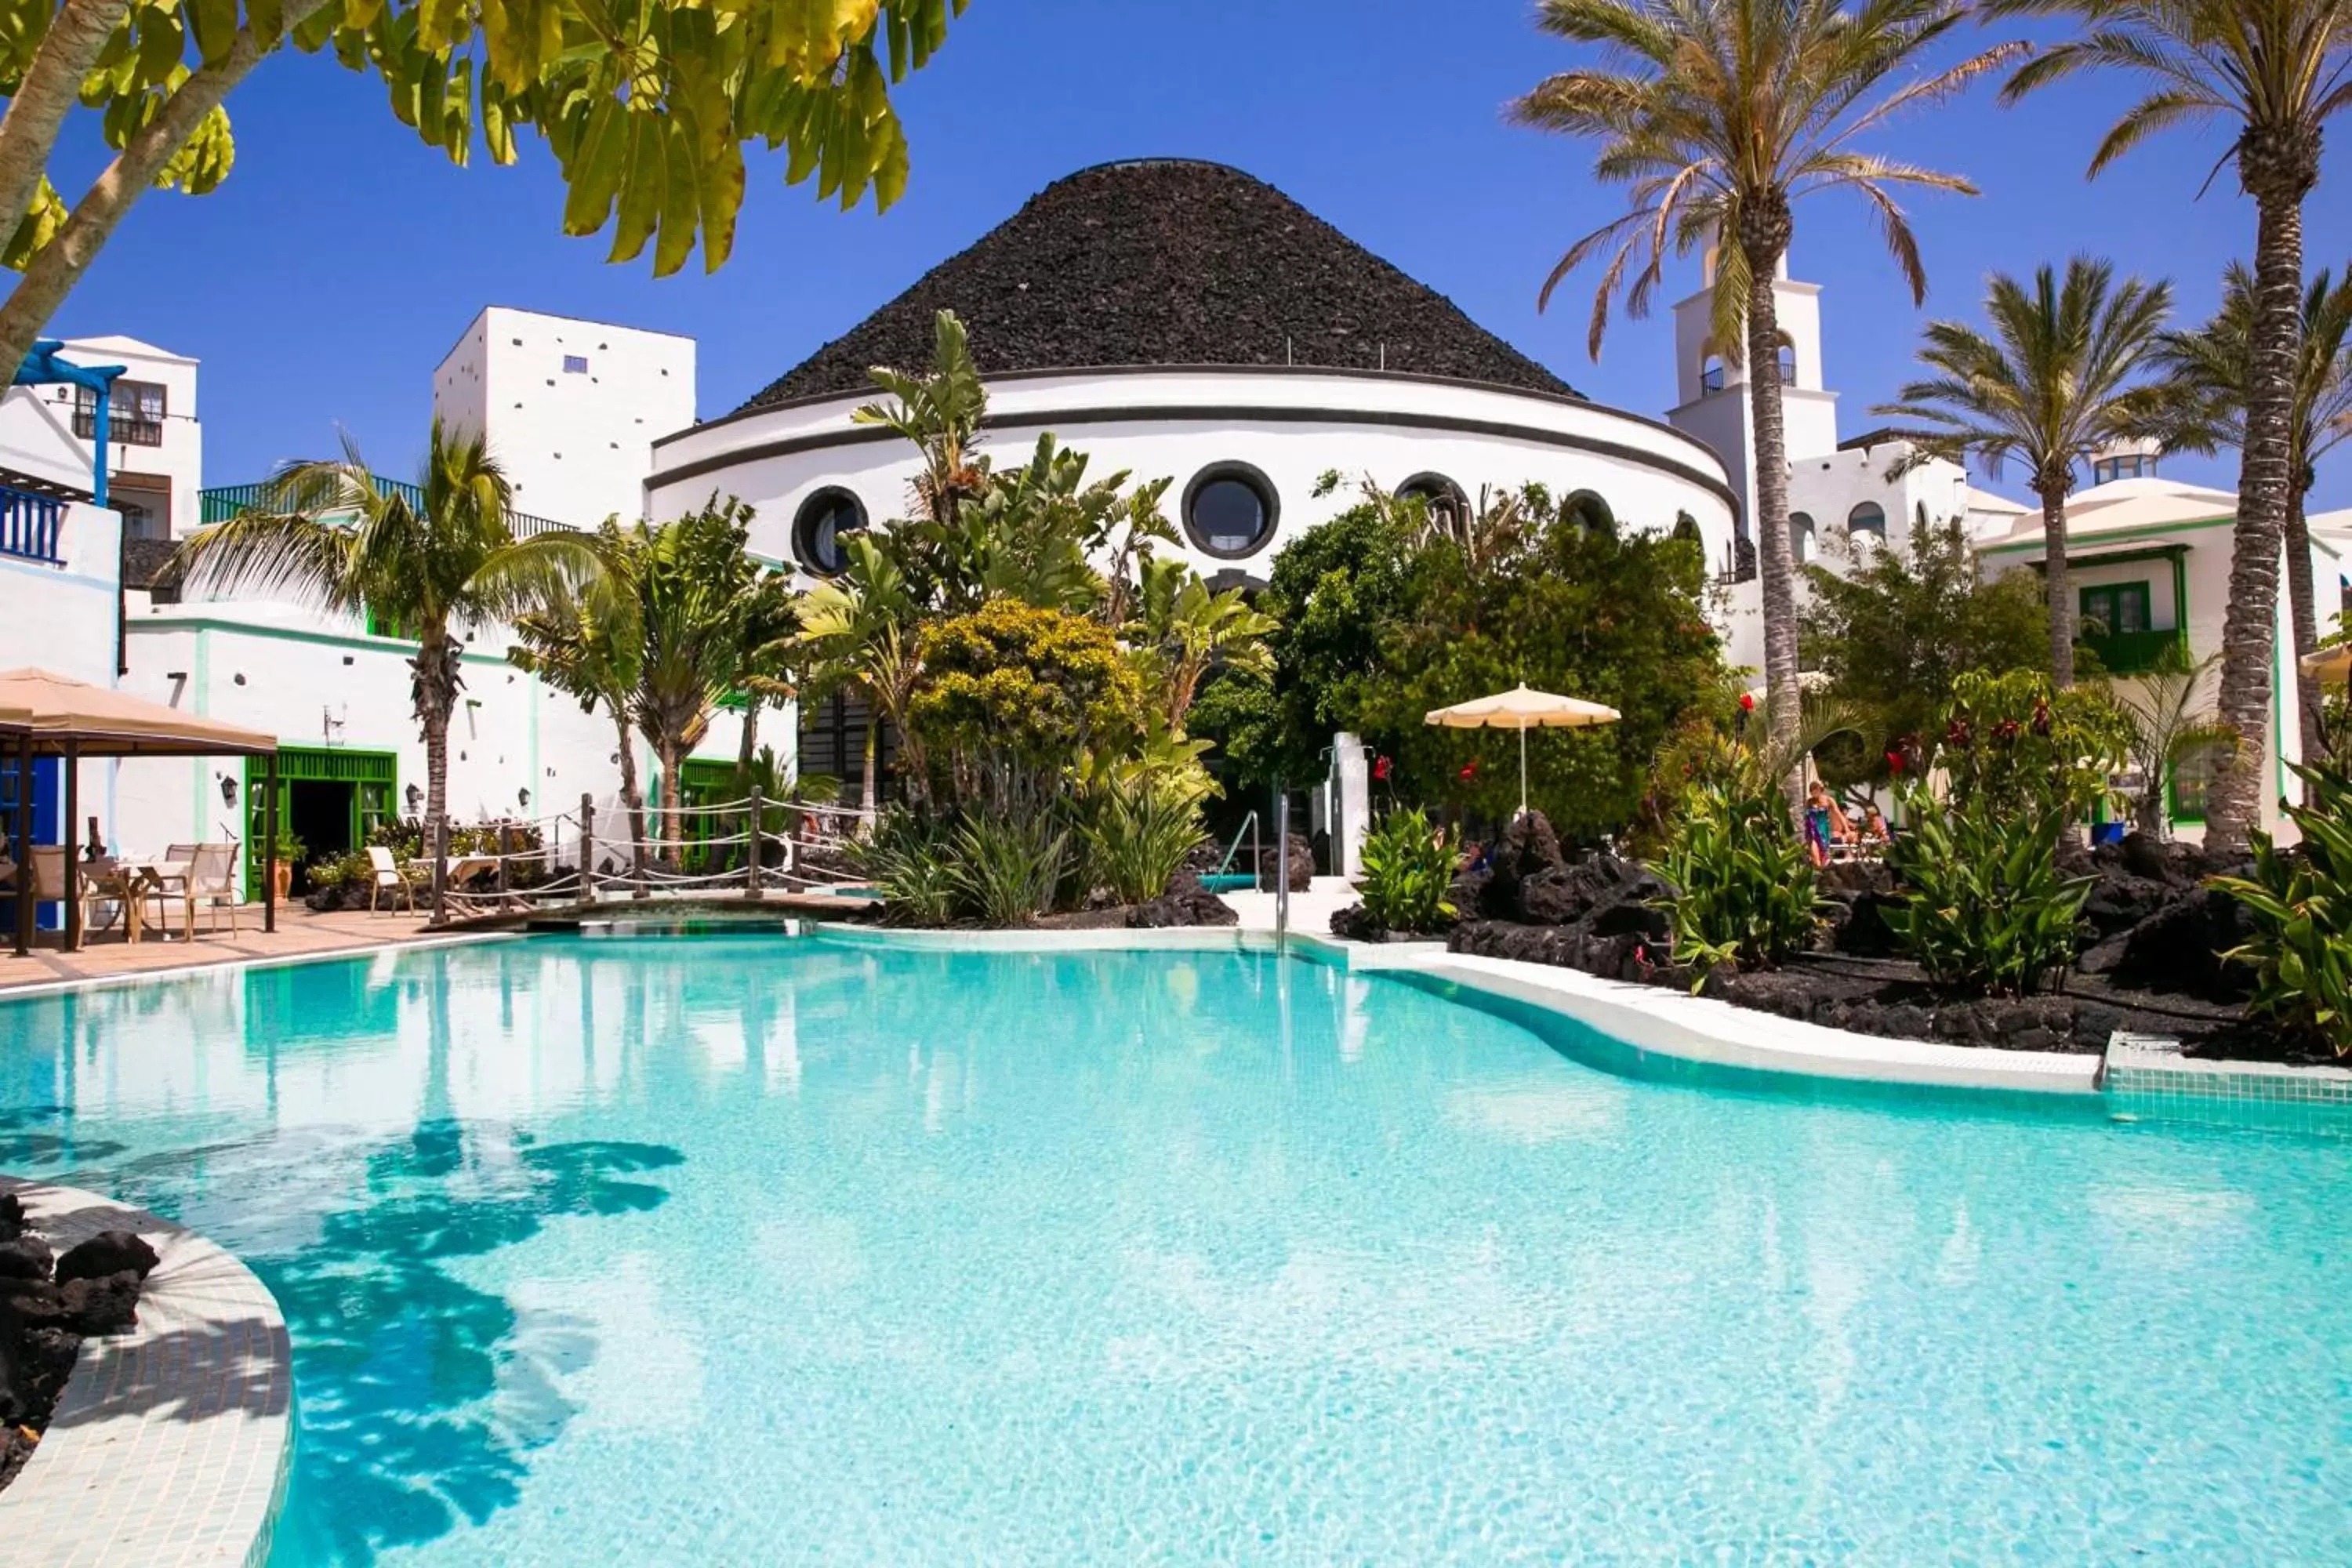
x=47 y=715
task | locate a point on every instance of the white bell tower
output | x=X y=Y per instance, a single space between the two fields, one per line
x=1712 y=395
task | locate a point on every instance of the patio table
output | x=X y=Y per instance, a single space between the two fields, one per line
x=138 y=880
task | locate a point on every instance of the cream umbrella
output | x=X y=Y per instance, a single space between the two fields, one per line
x=1523 y=709
x=2329 y=663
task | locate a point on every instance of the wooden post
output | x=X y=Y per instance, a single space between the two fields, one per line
x=637 y=857
x=752 y=884
x=24 y=882
x=73 y=846
x=269 y=846
x=587 y=847
x=440 y=870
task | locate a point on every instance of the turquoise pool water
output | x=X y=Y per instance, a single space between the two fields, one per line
x=754 y=1250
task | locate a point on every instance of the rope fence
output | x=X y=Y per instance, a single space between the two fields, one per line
x=615 y=850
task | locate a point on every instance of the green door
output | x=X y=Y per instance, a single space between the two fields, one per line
x=364 y=801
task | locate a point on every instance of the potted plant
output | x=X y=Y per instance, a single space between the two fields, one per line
x=291 y=851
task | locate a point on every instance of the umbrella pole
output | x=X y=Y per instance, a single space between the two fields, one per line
x=1523 y=770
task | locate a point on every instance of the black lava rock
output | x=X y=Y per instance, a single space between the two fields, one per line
x=1527 y=850
x=108 y=1252
x=2121 y=900
x=2177 y=949
x=12 y=1216
x=27 y=1257
x=1166 y=261
x=1298 y=861
x=1185 y=903
x=109 y=1305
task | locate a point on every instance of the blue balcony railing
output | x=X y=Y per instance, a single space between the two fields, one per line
x=222 y=503
x=29 y=525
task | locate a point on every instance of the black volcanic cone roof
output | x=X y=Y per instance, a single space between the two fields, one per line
x=1165 y=262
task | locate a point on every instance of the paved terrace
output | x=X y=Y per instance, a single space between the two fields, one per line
x=299 y=934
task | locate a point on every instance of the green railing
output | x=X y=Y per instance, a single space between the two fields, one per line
x=2131 y=653
x=221 y=502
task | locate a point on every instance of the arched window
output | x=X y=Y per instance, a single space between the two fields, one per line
x=1230 y=510
x=1788 y=365
x=1800 y=537
x=1590 y=511
x=1710 y=371
x=1867 y=517
x=818 y=530
x=1686 y=527
x=1436 y=492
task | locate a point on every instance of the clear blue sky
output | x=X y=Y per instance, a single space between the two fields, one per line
x=325 y=280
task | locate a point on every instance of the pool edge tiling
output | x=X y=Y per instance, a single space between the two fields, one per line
x=172 y=1444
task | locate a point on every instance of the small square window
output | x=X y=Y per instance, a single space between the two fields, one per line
x=575 y=364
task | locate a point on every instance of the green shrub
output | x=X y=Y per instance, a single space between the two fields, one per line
x=2301 y=907
x=1987 y=910
x=1006 y=869
x=1408 y=869
x=1138 y=834
x=1744 y=887
x=907 y=860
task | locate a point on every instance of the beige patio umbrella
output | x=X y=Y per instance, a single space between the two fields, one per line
x=2329 y=663
x=1523 y=708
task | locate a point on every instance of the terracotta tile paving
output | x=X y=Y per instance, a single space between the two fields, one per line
x=299 y=933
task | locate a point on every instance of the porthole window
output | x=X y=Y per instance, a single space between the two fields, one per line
x=1436 y=492
x=1230 y=510
x=820 y=528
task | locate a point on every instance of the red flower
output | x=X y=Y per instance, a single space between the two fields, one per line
x=1469 y=772
x=1894 y=761
x=1381 y=766
x=1747 y=702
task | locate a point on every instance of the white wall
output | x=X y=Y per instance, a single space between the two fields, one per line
x=61 y=617
x=317 y=680
x=577 y=444
x=37 y=429
x=1293 y=425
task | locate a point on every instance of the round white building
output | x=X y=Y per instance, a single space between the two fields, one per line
x=1183 y=319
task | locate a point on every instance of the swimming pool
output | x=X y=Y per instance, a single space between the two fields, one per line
x=758 y=1250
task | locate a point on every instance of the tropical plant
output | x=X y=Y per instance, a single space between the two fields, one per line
x=1987 y=911
x=907 y=860
x=1892 y=635
x=2054 y=384
x=647 y=138
x=1013 y=697
x=2274 y=71
x=1722 y=116
x=860 y=628
x=1006 y=869
x=2204 y=409
x=592 y=653
x=941 y=412
x=1408 y=872
x=1186 y=628
x=1744 y=889
x=2008 y=741
x=1137 y=831
x=691 y=582
x=2168 y=722
x=331 y=534
x=2300 y=905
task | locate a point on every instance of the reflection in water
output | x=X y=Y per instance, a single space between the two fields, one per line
x=953 y=1258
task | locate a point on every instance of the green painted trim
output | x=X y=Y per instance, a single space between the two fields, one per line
x=2116 y=557
x=2180 y=598
x=2118 y=591
x=2154 y=531
x=322 y=639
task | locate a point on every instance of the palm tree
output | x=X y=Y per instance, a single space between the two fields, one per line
x=1724 y=115
x=860 y=628
x=691 y=581
x=2208 y=370
x=2274 y=70
x=2169 y=720
x=2051 y=385
x=593 y=652
x=331 y=534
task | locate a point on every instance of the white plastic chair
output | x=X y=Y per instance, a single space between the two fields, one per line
x=385 y=873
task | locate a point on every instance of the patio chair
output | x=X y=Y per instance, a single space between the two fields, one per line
x=50 y=882
x=386 y=874
x=212 y=883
